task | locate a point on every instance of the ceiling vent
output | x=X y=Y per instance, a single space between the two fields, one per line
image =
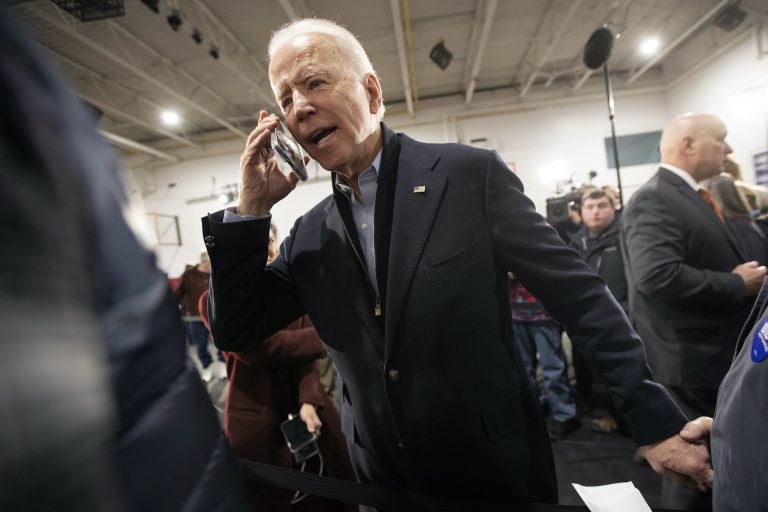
x=92 y=10
x=730 y=17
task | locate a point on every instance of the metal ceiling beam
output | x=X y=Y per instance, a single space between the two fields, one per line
x=397 y=22
x=289 y=9
x=682 y=37
x=574 y=7
x=624 y=34
x=474 y=36
x=136 y=71
x=524 y=58
x=243 y=50
x=136 y=121
x=295 y=9
x=165 y=60
x=490 y=12
x=137 y=146
x=114 y=110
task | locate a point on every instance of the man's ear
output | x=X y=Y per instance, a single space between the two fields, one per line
x=686 y=145
x=373 y=91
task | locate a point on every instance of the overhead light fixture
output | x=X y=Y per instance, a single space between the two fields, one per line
x=650 y=46
x=152 y=4
x=214 y=51
x=90 y=10
x=441 y=55
x=230 y=194
x=174 y=19
x=170 y=117
x=197 y=36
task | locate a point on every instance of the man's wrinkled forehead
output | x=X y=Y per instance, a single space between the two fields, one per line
x=311 y=54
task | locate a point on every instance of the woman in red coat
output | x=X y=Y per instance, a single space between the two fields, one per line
x=278 y=377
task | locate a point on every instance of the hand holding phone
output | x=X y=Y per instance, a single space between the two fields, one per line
x=263 y=182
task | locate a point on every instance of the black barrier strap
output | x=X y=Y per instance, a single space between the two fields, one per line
x=378 y=497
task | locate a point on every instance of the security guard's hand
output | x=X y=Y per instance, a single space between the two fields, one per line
x=753 y=275
x=685 y=462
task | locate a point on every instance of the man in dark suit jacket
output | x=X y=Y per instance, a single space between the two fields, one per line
x=690 y=288
x=403 y=272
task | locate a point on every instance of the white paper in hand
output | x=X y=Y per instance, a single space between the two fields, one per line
x=622 y=496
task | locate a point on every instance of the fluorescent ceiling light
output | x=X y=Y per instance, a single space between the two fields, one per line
x=170 y=117
x=650 y=46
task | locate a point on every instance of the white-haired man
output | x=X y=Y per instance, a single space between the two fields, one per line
x=403 y=272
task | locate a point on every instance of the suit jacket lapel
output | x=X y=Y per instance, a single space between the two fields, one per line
x=418 y=193
x=696 y=199
x=339 y=255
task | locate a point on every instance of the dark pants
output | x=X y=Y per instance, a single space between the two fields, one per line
x=197 y=335
x=694 y=403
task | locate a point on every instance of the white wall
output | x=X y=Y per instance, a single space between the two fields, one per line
x=166 y=190
x=572 y=132
x=734 y=86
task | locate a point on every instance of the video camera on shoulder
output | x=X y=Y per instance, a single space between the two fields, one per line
x=557 y=207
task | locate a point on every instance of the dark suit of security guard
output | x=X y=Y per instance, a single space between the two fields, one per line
x=689 y=282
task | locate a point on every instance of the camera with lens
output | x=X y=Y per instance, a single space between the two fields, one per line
x=557 y=207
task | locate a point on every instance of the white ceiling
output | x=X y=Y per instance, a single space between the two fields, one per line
x=519 y=51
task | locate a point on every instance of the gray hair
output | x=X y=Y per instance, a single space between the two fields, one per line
x=355 y=54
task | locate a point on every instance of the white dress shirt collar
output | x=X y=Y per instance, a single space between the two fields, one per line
x=683 y=175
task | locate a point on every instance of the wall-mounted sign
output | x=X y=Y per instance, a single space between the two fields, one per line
x=761 y=168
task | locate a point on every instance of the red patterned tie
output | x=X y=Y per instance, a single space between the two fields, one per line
x=704 y=193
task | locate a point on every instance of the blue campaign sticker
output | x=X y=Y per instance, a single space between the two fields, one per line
x=760 y=342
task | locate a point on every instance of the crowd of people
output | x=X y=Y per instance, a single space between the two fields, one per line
x=404 y=271
x=430 y=281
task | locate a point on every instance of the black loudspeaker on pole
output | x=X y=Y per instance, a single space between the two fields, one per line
x=596 y=54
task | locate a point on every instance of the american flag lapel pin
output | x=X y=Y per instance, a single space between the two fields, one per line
x=420 y=189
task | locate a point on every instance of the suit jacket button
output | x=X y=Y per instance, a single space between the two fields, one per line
x=393 y=375
x=208 y=241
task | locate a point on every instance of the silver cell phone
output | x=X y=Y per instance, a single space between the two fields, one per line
x=289 y=150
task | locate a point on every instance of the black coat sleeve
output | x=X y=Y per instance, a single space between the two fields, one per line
x=249 y=301
x=526 y=245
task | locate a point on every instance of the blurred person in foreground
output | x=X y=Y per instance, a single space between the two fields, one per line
x=403 y=271
x=101 y=409
x=690 y=281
